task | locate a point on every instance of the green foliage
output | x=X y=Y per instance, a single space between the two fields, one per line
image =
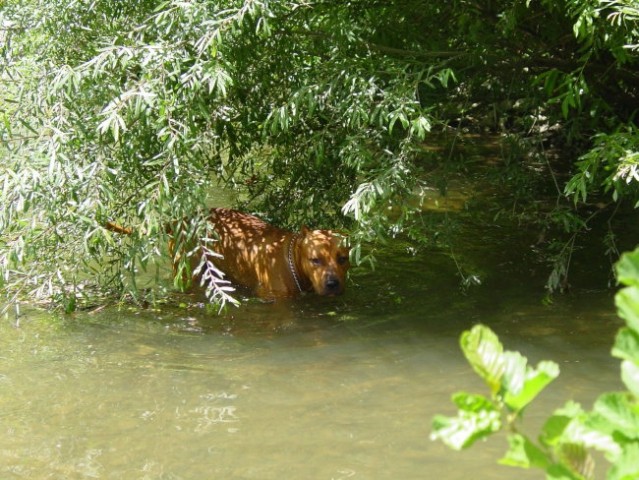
x=506 y=373
x=139 y=118
x=612 y=164
x=512 y=384
x=477 y=418
x=146 y=112
x=563 y=446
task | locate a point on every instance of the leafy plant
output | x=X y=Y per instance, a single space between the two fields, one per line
x=562 y=448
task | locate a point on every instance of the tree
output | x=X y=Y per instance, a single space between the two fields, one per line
x=311 y=112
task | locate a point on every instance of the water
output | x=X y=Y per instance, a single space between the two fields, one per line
x=315 y=388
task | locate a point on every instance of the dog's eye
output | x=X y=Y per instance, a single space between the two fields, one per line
x=342 y=260
x=316 y=261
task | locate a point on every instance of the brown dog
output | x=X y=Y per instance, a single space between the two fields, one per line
x=268 y=260
x=277 y=263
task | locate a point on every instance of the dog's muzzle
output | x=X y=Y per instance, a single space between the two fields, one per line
x=333 y=286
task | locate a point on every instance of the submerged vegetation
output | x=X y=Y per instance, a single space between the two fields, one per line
x=316 y=112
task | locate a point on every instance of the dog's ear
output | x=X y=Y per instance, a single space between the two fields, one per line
x=305 y=230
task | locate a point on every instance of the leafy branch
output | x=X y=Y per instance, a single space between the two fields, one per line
x=563 y=446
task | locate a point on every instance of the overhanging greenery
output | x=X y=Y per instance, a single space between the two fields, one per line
x=312 y=112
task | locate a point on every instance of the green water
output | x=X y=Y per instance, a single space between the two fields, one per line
x=316 y=388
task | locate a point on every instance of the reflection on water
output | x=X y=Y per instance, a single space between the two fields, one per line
x=317 y=388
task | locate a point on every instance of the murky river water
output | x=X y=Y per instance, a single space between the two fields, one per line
x=311 y=389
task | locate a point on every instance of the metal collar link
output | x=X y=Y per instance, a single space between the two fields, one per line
x=291 y=264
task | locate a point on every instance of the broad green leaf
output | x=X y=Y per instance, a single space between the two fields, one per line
x=627 y=301
x=524 y=454
x=505 y=372
x=577 y=459
x=627 y=345
x=626 y=467
x=554 y=428
x=514 y=373
x=571 y=425
x=630 y=376
x=534 y=382
x=593 y=430
x=579 y=431
x=477 y=418
x=471 y=402
x=484 y=352
x=628 y=268
x=616 y=413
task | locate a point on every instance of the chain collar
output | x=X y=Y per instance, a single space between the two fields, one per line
x=291 y=264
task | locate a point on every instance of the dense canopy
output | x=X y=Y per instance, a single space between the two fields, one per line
x=315 y=112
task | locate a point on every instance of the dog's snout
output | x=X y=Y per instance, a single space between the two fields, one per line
x=333 y=285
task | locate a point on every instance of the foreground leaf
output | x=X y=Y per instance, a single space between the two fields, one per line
x=630 y=376
x=627 y=465
x=628 y=268
x=535 y=381
x=616 y=413
x=477 y=418
x=514 y=377
x=627 y=345
x=524 y=454
x=627 y=301
x=553 y=430
x=484 y=352
x=577 y=458
x=505 y=372
x=570 y=425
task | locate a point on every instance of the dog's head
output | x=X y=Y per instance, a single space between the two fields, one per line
x=323 y=260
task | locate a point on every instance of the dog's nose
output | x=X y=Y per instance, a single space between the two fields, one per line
x=332 y=285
